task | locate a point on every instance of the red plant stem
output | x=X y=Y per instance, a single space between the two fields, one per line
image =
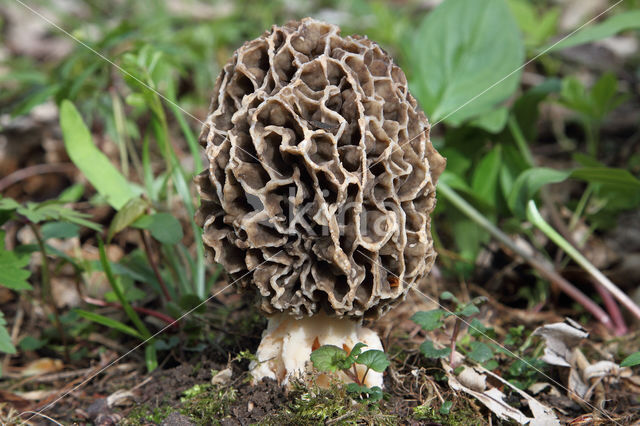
x=613 y=309
x=151 y=312
x=154 y=266
x=454 y=337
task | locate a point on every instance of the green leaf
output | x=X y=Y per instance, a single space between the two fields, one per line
x=528 y=184
x=485 y=177
x=621 y=22
x=429 y=320
x=117 y=289
x=480 y=352
x=97 y=168
x=328 y=358
x=8 y=204
x=109 y=322
x=537 y=27
x=59 y=230
x=445 y=408
x=163 y=227
x=351 y=358
x=6 y=345
x=150 y=356
x=30 y=343
x=374 y=359
x=12 y=272
x=618 y=178
x=430 y=351
x=462 y=60
x=468 y=310
x=631 y=361
x=129 y=213
x=493 y=121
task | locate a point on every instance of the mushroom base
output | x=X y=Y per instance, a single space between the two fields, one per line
x=287 y=343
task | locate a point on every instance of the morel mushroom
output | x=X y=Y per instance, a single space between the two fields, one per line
x=319 y=189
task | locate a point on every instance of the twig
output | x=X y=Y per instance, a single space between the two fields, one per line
x=150 y=312
x=38 y=169
x=534 y=217
x=543 y=269
x=154 y=266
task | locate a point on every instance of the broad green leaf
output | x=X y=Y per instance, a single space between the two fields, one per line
x=328 y=358
x=618 y=178
x=429 y=320
x=528 y=184
x=109 y=322
x=485 y=177
x=163 y=227
x=467 y=55
x=621 y=22
x=430 y=351
x=631 y=361
x=493 y=121
x=59 y=230
x=12 y=272
x=97 y=168
x=8 y=204
x=374 y=359
x=480 y=352
x=129 y=213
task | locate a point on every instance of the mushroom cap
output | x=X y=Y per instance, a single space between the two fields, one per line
x=321 y=177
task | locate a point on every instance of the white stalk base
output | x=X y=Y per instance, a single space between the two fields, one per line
x=287 y=343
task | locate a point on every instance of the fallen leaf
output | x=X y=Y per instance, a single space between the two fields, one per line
x=560 y=339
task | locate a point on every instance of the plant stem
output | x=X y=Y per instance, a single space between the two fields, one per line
x=518 y=137
x=454 y=338
x=447 y=192
x=47 y=295
x=534 y=217
x=154 y=266
x=150 y=312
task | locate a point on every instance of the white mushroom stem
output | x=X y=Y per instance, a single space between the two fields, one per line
x=287 y=343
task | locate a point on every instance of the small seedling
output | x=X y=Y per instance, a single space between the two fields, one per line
x=330 y=358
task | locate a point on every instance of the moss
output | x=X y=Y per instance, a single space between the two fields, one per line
x=312 y=405
x=205 y=403
x=142 y=415
x=461 y=414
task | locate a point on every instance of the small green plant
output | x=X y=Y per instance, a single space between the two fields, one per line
x=632 y=360
x=330 y=358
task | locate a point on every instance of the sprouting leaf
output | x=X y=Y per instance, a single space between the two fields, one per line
x=163 y=227
x=97 y=168
x=462 y=60
x=632 y=360
x=109 y=322
x=355 y=351
x=151 y=356
x=468 y=310
x=536 y=26
x=429 y=320
x=480 y=352
x=12 y=272
x=129 y=213
x=328 y=358
x=621 y=22
x=430 y=351
x=374 y=359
